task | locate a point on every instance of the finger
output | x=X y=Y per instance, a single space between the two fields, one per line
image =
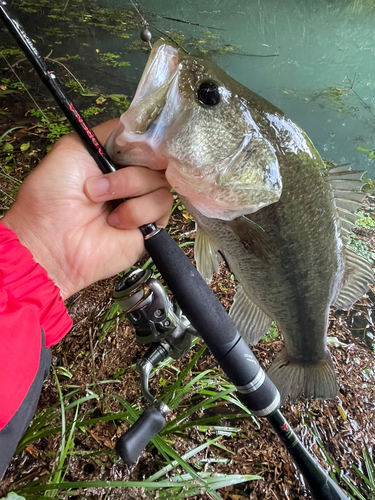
x=142 y=210
x=104 y=130
x=128 y=182
x=163 y=221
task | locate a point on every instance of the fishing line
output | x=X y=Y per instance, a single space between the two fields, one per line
x=24 y=86
x=146 y=33
x=145 y=23
x=192 y=24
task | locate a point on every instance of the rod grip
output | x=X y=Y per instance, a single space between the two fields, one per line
x=131 y=444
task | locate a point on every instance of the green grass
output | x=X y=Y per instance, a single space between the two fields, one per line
x=365 y=490
x=187 y=392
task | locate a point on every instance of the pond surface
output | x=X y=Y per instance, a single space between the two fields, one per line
x=321 y=72
x=323 y=77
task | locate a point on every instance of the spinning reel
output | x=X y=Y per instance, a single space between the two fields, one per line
x=158 y=322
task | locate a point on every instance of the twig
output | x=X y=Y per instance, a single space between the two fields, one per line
x=66 y=5
x=193 y=24
x=173 y=40
x=6 y=194
x=10 y=178
x=47 y=58
x=24 y=86
x=364 y=104
x=92 y=356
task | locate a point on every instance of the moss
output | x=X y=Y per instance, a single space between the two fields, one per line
x=75 y=19
x=110 y=59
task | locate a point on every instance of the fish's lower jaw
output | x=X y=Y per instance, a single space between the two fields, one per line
x=294 y=379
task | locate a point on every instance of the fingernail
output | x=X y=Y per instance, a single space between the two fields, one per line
x=113 y=219
x=97 y=186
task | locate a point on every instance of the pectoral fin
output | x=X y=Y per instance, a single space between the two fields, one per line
x=206 y=254
x=255 y=240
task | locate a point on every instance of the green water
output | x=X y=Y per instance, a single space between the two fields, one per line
x=323 y=77
x=321 y=73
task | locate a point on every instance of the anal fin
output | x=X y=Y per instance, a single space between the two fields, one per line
x=251 y=322
x=358 y=275
x=293 y=379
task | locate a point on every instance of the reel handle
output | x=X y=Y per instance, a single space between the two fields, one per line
x=131 y=444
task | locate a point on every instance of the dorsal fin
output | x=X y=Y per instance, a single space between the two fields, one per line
x=206 y=254
x=348 y=196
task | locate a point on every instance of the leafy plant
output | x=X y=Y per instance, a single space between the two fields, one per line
x=91 y=111
x=366 y=491
x=9 y=87
x=365 y=220
x=192 y=393
x=11 y=52
x=272 y=333
x=120 y=101
x=56 y=124
x=80 y=87
x=371 y=153
x=362 y=248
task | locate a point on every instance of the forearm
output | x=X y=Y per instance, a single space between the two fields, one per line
x=29 y=303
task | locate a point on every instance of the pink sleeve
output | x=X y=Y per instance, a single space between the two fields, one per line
x=29 y=302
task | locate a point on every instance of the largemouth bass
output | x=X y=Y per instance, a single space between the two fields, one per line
x=263 y=200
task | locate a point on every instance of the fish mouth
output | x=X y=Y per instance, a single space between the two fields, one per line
x=147 y=136
x=138 y=138
x=161 y=66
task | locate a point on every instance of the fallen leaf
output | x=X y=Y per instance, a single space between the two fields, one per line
x=102 y=439
x=31 y=450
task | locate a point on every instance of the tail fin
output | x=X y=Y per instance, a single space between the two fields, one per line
x=316 y=381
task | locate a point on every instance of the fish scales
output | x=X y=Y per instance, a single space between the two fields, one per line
x=262 y=198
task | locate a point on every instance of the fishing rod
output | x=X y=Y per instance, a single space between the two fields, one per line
x=202 y=309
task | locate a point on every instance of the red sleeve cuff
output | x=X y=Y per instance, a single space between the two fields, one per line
x=26 y=282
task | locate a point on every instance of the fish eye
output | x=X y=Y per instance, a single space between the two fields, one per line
x=208 y=94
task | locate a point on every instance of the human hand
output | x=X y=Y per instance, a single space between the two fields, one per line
x=60 y=216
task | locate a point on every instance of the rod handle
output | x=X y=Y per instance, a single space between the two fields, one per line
x=131 y=444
